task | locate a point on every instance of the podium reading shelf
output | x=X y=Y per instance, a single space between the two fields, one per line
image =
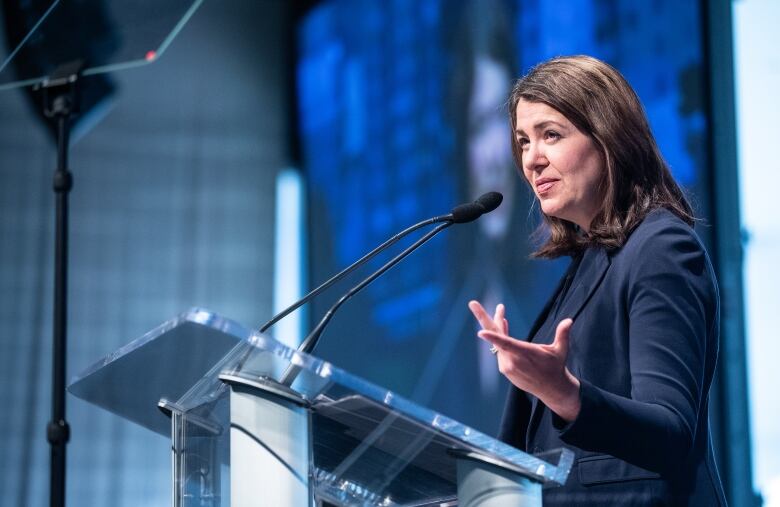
x=240 y=438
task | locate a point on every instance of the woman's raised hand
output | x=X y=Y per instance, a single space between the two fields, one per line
x=538 y=369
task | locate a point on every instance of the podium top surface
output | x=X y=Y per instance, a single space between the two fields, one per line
x=49 y=37
x=163 y=363
x=363 y=434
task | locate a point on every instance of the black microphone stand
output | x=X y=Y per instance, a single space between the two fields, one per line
x=308 y=344
x=349 y=269
x=60 y=105
x=463 y=213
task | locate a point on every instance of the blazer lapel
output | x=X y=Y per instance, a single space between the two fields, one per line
x=542 y=317
x=593 y=267
x=509 y=419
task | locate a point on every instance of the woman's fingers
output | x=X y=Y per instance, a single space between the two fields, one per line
x=497 y=322
x=500 y=340
x=561 y=342
x=503 y=341
x=539 y=369
x=498 y=317
x=482 y=316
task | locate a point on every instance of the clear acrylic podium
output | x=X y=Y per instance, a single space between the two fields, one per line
x=241 y=438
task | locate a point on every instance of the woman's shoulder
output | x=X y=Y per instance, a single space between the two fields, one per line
x=661 y=229
x=665 y=250
x=663 y=243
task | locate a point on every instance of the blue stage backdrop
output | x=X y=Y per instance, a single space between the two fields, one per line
x=402 y=115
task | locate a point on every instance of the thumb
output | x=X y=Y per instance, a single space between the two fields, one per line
x=561 y=341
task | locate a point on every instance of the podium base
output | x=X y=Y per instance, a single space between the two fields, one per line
x=270 y=446
x=485 y=483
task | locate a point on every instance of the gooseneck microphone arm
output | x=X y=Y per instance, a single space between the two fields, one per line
x=352 y=267
x=460 y=214
x=311 y=340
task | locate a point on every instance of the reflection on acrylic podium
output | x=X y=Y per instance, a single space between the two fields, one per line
x=242 y=438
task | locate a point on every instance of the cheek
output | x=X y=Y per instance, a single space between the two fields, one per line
x=596 y=174
x=589 y=187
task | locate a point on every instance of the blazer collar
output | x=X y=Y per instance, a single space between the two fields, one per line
x=595 y=262
x=542 y=317
x=593 y=267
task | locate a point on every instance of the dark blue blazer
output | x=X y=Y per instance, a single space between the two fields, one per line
x=644 y=346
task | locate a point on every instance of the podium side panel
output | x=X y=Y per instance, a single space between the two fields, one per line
x=270 y=451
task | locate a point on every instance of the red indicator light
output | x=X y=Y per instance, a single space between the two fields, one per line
x=150 y=55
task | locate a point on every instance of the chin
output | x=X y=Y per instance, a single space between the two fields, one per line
x=551 y=210
x=554 y=212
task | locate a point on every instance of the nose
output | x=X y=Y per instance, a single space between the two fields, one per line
x=534 y=158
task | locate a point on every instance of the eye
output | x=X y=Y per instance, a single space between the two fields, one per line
x=522 y=142
x=552 y=135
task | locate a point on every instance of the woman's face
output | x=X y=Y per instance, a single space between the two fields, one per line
x=562 y=164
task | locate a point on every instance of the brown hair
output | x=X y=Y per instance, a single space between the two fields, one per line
x=596 y=98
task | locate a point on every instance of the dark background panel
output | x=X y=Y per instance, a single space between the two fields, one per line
x=172 y=207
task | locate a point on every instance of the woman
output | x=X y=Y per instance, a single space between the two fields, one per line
x=619 y=364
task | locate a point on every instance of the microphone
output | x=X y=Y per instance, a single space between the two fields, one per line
x=460 y=214
x=489 y=201
x=466 y=212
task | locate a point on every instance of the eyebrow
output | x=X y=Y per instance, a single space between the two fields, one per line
x=541 y=125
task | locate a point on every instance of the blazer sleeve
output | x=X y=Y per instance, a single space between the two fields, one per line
x=672 y=306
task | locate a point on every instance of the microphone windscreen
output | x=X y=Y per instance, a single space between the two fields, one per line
x=467 y=212
x=489 y=201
